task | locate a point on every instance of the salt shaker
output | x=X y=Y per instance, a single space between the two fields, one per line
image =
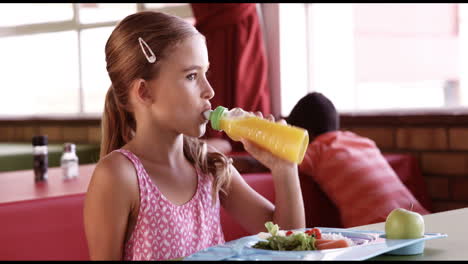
x=41 y=158
x=69 y=162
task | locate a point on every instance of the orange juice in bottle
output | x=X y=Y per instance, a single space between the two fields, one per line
x=285 y=141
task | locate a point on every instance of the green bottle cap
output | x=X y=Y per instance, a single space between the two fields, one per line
x=215 y=117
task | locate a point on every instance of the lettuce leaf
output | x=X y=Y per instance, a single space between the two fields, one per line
x=294 y=242
x=272 y=228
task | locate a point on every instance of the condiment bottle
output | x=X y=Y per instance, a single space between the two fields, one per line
x=69 y=162
x=41 y=158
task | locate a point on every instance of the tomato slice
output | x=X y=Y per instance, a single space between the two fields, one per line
x=316 y=232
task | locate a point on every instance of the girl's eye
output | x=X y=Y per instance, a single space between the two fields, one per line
x=191 y=76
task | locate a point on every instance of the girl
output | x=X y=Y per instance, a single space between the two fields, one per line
x=157 y=189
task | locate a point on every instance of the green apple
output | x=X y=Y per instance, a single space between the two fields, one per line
x=404 y=224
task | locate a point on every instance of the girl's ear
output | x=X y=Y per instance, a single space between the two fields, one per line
x=142 y=91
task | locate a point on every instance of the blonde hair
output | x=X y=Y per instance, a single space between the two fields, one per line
x=125 y=63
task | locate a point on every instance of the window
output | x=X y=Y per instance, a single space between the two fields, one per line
x=293 y=63
x=52 y=55
x=375 y=56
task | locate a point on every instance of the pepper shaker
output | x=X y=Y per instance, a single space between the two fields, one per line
x=41 y=158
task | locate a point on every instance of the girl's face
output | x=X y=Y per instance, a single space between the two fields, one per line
x=181 y=91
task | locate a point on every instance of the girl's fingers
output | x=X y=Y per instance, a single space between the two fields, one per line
x=282 y=121
x=251 y=148
x=271 y=118
x=257 y=152
x=259 y=114
x=265 y=157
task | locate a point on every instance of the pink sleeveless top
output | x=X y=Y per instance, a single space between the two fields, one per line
x=167 y=231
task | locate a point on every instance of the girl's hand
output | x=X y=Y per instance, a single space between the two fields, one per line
x=265 y=157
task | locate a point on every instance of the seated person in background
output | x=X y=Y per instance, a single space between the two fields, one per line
x=349 y=168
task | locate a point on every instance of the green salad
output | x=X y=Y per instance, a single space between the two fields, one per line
x=295 y=241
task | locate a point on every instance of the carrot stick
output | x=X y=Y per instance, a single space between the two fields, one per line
x=329 y=244
x=321 y=241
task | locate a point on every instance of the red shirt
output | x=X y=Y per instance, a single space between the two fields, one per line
x=354 y=174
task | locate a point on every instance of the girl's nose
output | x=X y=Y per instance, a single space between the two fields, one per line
x=208 y=91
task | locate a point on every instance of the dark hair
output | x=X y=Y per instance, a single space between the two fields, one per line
x=315 y=113
x=126 y=62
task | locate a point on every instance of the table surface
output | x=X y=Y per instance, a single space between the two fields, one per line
x=453 y=247
x=19 y=186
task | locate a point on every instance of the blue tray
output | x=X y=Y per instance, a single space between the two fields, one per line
x=369 y=244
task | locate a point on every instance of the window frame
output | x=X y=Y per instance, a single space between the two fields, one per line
x=74 y=25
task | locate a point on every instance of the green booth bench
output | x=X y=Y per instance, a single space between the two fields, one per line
x=18 y=156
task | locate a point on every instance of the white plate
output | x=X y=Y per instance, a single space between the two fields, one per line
x=370 y=244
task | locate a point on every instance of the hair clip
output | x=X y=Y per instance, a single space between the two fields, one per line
x=152 y=58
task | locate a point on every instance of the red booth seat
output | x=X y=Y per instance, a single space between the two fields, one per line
x=44 y=229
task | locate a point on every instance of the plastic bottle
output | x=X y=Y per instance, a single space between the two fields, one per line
x=69 y=162
x=41 y=158
x=285 y=141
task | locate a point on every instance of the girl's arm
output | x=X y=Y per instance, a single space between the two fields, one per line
x=252 y=210
x=107 y=207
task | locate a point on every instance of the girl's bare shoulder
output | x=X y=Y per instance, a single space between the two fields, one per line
x=113 y=189
x=115 y=169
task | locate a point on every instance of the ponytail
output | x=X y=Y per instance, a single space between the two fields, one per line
x=117 y=126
